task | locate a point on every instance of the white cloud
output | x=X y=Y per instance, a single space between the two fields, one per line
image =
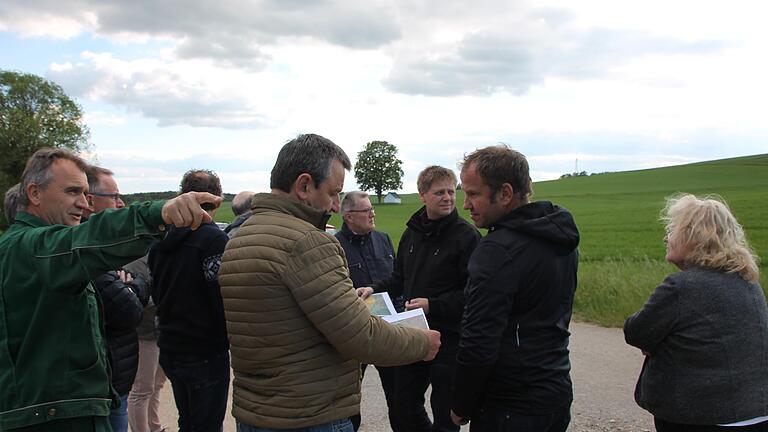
x=224 y=85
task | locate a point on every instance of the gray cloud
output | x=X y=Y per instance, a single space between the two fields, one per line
x=232 y=32
x=485 y=63
x=162 y=95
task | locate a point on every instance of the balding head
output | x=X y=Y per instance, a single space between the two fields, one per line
x=241 y=203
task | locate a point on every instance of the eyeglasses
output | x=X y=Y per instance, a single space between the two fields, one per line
x=369 y=210
x=114 y=196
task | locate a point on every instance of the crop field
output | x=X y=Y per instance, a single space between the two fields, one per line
x=621 y=250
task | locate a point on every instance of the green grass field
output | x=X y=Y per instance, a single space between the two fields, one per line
x=622 y=253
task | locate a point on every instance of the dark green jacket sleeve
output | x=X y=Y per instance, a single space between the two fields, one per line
x=67 y=257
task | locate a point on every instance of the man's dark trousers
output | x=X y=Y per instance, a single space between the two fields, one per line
x=200 y=389
x=411 y=382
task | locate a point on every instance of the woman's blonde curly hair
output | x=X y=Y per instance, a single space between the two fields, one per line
x=711 y=236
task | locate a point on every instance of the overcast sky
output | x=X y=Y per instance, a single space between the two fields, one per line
x=179 y=84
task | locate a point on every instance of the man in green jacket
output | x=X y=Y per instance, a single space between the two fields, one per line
x=53 y=368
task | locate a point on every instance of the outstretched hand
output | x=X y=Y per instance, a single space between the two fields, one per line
x=185 y=210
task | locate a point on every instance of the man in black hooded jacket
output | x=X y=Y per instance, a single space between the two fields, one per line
x=430 y=273
x=513 y=371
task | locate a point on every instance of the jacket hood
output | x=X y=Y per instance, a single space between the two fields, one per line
x=544 y=220
x=421 y=224
x=269 y=202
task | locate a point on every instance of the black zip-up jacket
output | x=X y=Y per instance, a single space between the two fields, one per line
x=123 y=307
x=513 y=352
x=185 y=267
x=432 y=263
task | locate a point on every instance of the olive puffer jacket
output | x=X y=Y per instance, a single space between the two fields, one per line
x=297 y=329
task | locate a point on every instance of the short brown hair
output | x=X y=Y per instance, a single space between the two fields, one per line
x=38 y=169
x=432 y=174
x=500 y=164
x=199 y=180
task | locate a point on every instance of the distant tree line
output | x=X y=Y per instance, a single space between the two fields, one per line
x=155 y=196
x=582 y=174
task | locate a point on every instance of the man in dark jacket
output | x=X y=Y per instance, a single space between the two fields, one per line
x=241 y=207
x=193 y=337
x=431 y=272
x=124 y=298
x=370 y=257
x=513 y=365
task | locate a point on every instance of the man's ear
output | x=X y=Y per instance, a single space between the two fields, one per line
x=33 y=194
x=301 y=186
x=506 y=194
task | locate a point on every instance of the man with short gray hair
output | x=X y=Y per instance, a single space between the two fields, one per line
x=370 y=257
x=241 y=207
x=123 y=295
x=297 y=329
x=53 y=362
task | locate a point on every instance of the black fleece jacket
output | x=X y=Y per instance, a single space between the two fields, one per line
x=432 y=263
x=513 y=352
x=123 y=307
x=185 y=267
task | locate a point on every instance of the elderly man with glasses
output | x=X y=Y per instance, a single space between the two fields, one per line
x=370 y=256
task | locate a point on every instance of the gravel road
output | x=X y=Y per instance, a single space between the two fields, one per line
x=604 y=373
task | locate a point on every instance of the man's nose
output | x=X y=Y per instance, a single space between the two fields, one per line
x=119 y=203
x=82 y=202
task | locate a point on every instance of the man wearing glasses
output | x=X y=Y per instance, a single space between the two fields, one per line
x=370 y=256
x=124 y=299
x=103 y=192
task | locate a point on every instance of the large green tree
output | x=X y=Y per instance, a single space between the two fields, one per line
x=378 y=168
x=34 y=113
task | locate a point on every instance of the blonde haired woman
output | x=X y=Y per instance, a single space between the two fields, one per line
x=704 y=330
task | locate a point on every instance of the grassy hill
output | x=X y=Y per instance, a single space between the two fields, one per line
x=622 y=253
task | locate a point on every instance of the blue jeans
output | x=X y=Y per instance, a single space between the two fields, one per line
x=118 y=417
x=200 y=388
x=343 y=425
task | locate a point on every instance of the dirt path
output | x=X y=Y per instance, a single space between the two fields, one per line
x=604 y=373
